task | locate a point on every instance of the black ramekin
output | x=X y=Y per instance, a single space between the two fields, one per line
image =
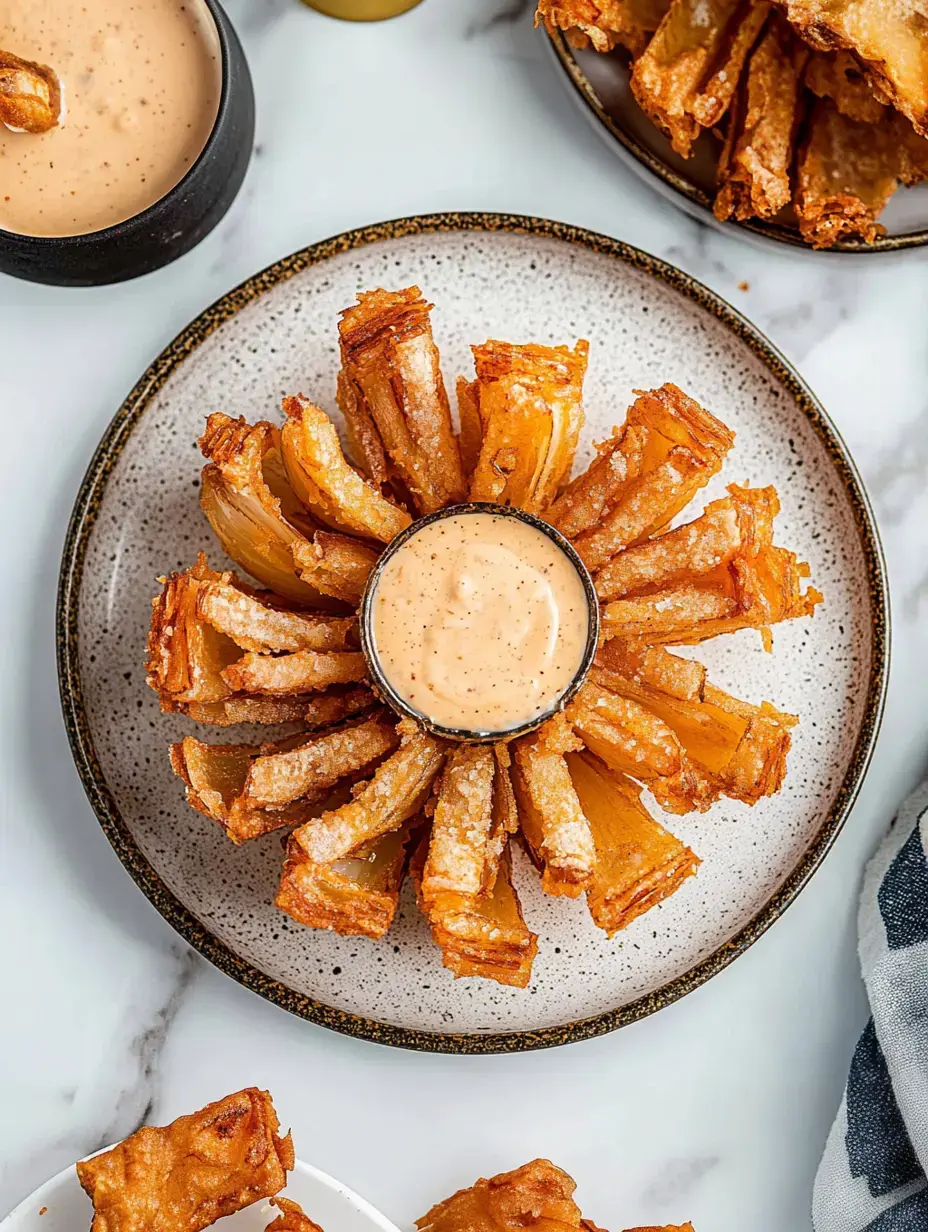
x=175 y=223
x=382 y=685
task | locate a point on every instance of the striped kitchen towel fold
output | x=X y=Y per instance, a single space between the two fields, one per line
x=872 y=1177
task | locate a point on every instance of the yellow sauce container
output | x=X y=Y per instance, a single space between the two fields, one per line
x=362 y=10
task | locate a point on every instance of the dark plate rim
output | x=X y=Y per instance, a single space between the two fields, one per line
x=76 y=719
x=699 y=203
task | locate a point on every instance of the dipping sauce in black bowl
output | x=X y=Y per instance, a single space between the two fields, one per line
x=154 y=137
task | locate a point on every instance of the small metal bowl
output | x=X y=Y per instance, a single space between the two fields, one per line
x=385 y=690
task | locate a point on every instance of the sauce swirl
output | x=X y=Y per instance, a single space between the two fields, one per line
x=480 y=621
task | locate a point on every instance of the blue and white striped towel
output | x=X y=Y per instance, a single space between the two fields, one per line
x=872 y=1177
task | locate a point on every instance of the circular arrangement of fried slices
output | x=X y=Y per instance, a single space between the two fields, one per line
x=674 y=751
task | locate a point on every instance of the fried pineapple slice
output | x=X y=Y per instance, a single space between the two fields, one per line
x=757 y=157
x=291 y=1218
x=251 y=506
x=638 y=862
x=326 y=484
x=480 y=934
x=837 y=75
x=847 y=172
x=685 y=79
x=538 y=1195
x=187 y=1175
x=679 y=447
x=354 y=896
x=336 y=565
x=393 y=398
x=553 y=825
x=254 y=789
x=303 y=671
x=30 y=95
x=398 y=789
x=741 y=748
x=603 y=24
x=887 y=41
x=529 y=403
x=457 y=859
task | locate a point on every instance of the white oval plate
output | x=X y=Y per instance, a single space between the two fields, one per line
x=137 y=517
x=331 y=1204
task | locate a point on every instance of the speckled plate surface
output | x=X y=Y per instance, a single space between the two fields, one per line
x=489 y=275
x=600 y=83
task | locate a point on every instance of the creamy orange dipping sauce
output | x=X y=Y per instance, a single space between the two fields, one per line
x=480 y=621
x=140 y=80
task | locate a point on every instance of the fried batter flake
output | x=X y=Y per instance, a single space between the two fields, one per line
x=187 y=1175
x=603 y=24
x=838 y=76
x=461 y=823
x=336 y=565
x=537 y=1195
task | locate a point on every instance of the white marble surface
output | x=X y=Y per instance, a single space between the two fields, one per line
x=716 y=1109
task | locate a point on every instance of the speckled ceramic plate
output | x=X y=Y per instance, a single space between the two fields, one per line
x=600 y=84
x=60 y=1205
x=137 y=516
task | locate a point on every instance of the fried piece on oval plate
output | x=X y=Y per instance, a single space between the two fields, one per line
x=326 y=484
x=755 y=166
x=302 y=671
x=550 y=815
x=457 y=857
x=538 y=1196
x=353 y=896
x=480 y=934
x=291 y=1218
x=393 y=396
x=397 y=791
x=187 y=1175
x=685 y=79
x=530 y=405
x=603 y=24
x=251 y=506
x=638 y=862
x=838 y=76
x=337 y=565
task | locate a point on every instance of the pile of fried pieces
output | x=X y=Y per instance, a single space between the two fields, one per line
x=187 y=1175
x=822 y=107
x=363 y=795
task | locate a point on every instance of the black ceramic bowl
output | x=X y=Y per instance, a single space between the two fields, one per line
x=382 y=685
x=173 y=225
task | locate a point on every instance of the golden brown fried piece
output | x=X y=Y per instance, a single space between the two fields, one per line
x=462 y=822
x=638 y=862
x=887 y=41
x=393 y=398
x=603 y=24
x=686 y=77
x=312 y=711
x=252 y=623
x=529 y=400
x=757 y=158
x=291 y=1218
x=187 y=1175
x=505 y=813
x=538 y=1196
x=677 y=1227
x=397 y=791
x=837 y=75
x=30 y=95
x=326 y=484
x=354 y=896
x=678 y=447
x=588 y=498
x=336 y=565
x=480 y=934
x=847 y=173
x=556 y=832
x=303 y=671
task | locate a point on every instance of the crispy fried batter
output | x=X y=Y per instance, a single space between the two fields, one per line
x=553 y=825
x=398 y=790
x=303 y=671
x=685 y=79
x=258 y=626
x=837 y=75
x=480 y=934
x=538 y=1196
x=461 y=824
x=603 y=24
x=185 y=1176
x=529 y=400
x=594 y=493
x=393 y=397
x=30 y=95
x=505 y=814
x=245 y=709
x=470 y=438
x=638 y=862
x=326 y=484
x=251 y=507
x=756 y=161
x=336 y=565
x=847 y=173
x=354 y=896
x=291 y=1219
